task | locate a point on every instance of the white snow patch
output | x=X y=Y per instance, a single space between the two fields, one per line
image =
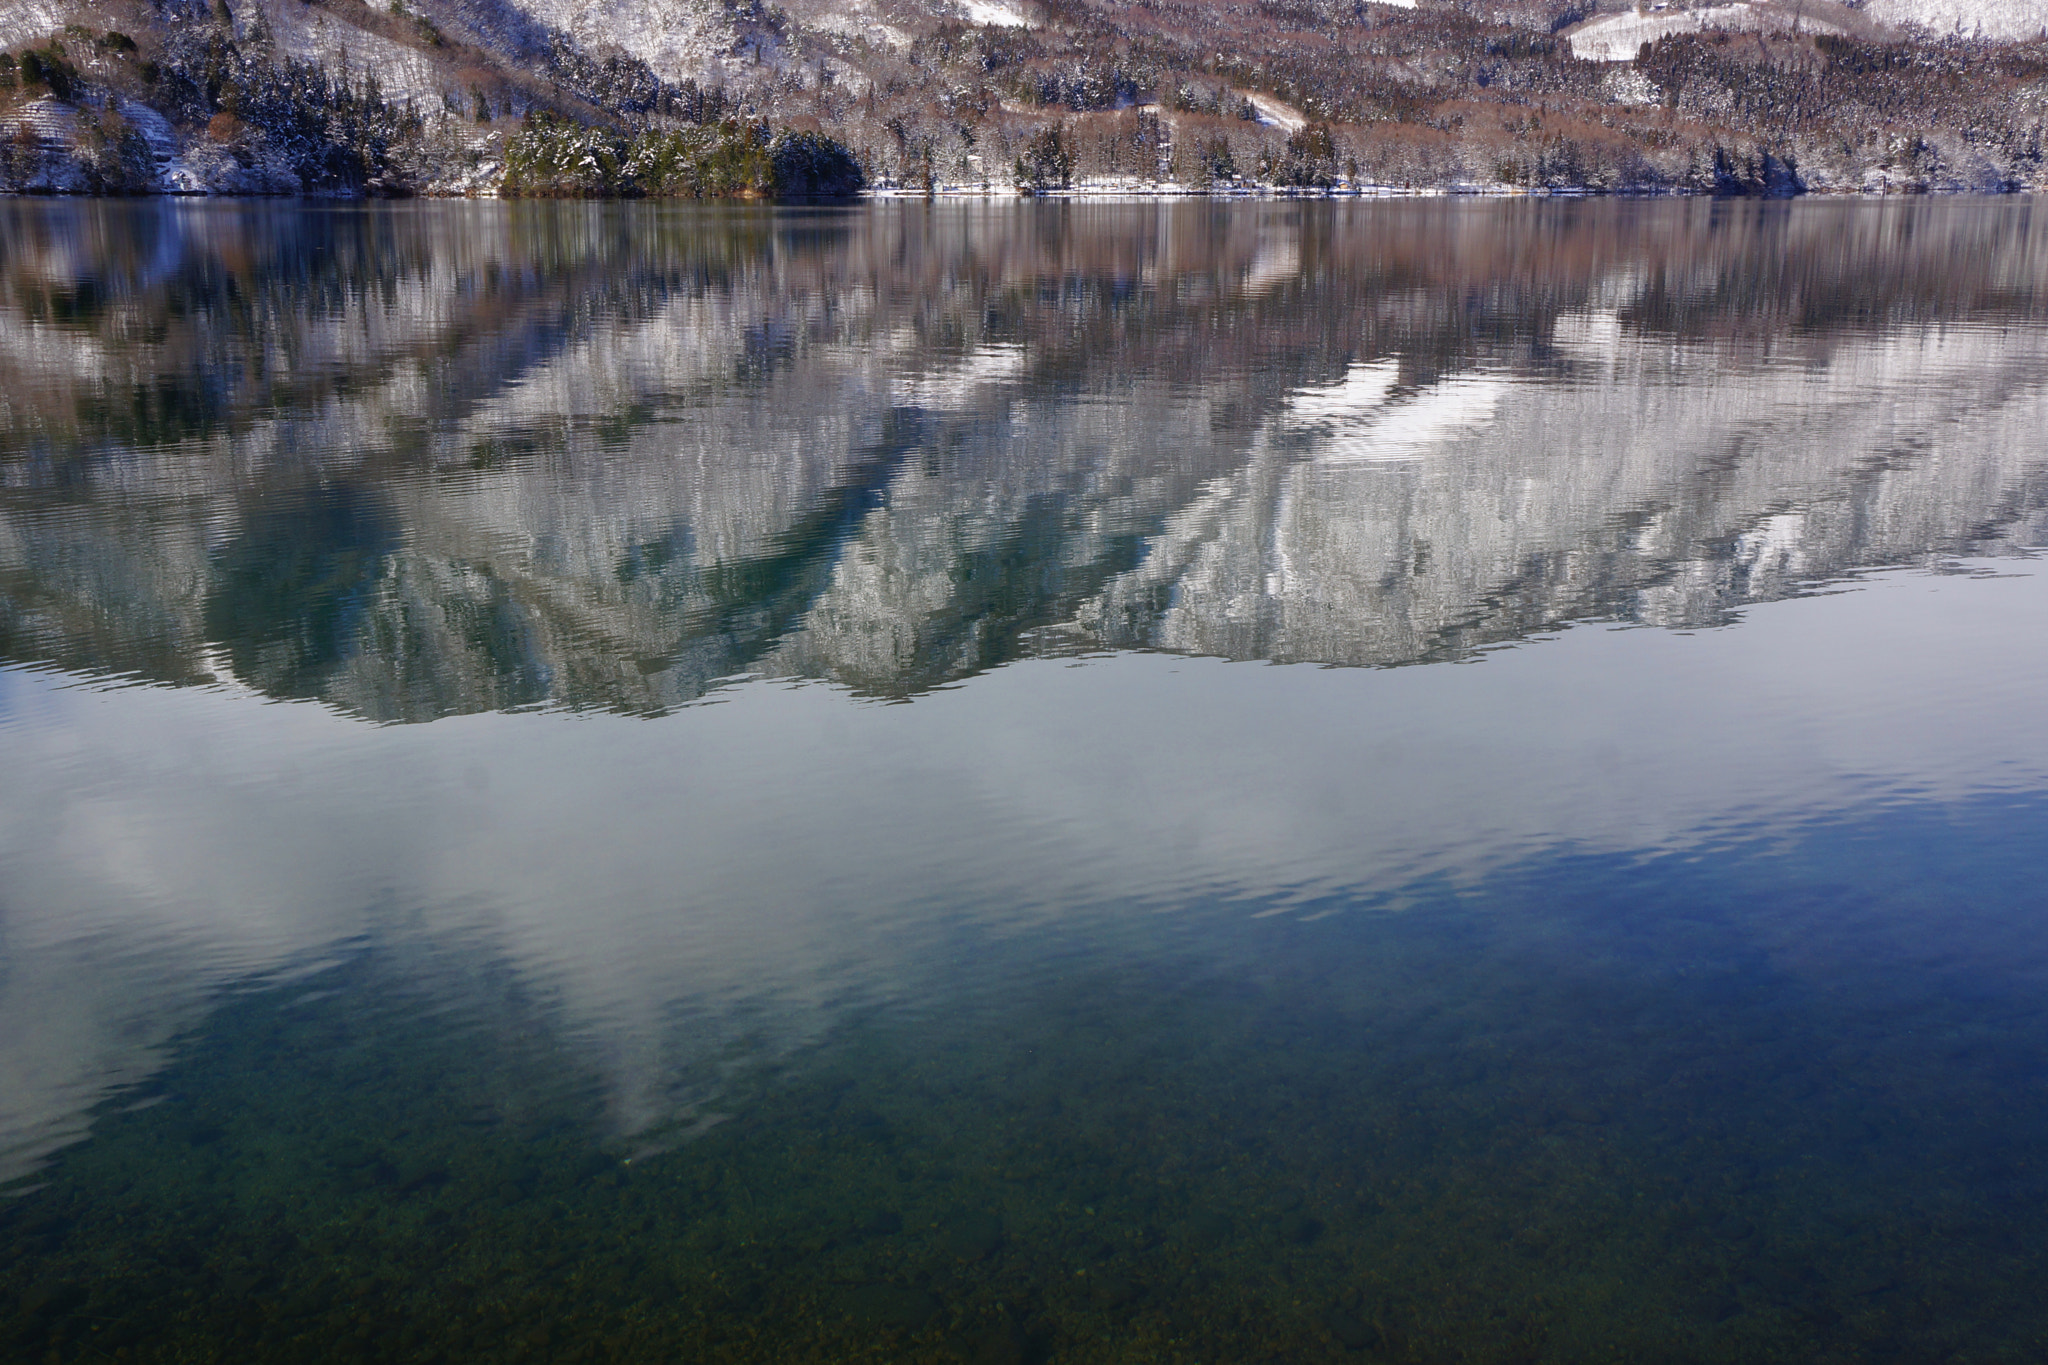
x=51 y=121
x=1626 y=85
x=677 y=38
x=172 y=171
x=1994 y=19
x=853 y=19
x=1274 y=114
x=1617 y=37
x=23 y=22
x=311 y=34
x=1000 y=16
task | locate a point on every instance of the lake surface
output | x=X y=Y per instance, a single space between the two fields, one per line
x=1292 y=782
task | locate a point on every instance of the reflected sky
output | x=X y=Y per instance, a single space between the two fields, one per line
x=789 y=853
x=1711 y=521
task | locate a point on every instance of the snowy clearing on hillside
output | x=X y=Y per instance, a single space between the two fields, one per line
x=341 y=49
x=998 y=16
x=29 y=21
x=1618 y=37
x=678 y=39
x=1274 y=114
x=1994 y=19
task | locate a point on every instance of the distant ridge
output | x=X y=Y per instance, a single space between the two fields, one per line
x=1045 y=96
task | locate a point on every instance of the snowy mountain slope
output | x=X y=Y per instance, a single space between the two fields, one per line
x=1994 y=19
x=27 y=21
x=435 y=96
x=679 y=39
x=309 y=33
x=1618 y=37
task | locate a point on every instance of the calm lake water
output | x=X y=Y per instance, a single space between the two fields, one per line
x=1271 y=782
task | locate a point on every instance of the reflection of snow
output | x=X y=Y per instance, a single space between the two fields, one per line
x=956 y=387
x=1593 y=334
x=1002 y=16
x=1362 y=421
x=1775 y=544
x=1423 y=423
x=1363 y=388
x=1276 y=261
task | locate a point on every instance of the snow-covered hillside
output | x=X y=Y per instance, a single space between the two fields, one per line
x=1618 y=37
x=925 y=96
x=679 y=39
x=1995 y=19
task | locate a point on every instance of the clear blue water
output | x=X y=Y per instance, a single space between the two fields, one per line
x=1271 y=782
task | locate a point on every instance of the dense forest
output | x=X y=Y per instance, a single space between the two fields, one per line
x=747 y=99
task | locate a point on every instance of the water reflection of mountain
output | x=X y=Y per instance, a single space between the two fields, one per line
x=420 y=460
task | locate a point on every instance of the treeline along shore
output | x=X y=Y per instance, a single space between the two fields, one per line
x=834 y=98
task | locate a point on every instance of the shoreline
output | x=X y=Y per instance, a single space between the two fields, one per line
x=1095 y=193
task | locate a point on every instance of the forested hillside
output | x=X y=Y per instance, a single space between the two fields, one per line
x=797 y=98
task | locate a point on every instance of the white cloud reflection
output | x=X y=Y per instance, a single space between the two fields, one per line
x=793 y=849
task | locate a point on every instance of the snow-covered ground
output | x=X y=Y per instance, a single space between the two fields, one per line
x=29 y=21
x=679 y=39
x=1617 y=37
x=1995 y=19
x=1001 y=16
x=310 y=34
x=173 y=173
x=1275 y=114
x=861 y=19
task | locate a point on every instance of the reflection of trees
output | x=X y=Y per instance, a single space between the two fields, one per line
x=421 y=460
x=291 y=590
